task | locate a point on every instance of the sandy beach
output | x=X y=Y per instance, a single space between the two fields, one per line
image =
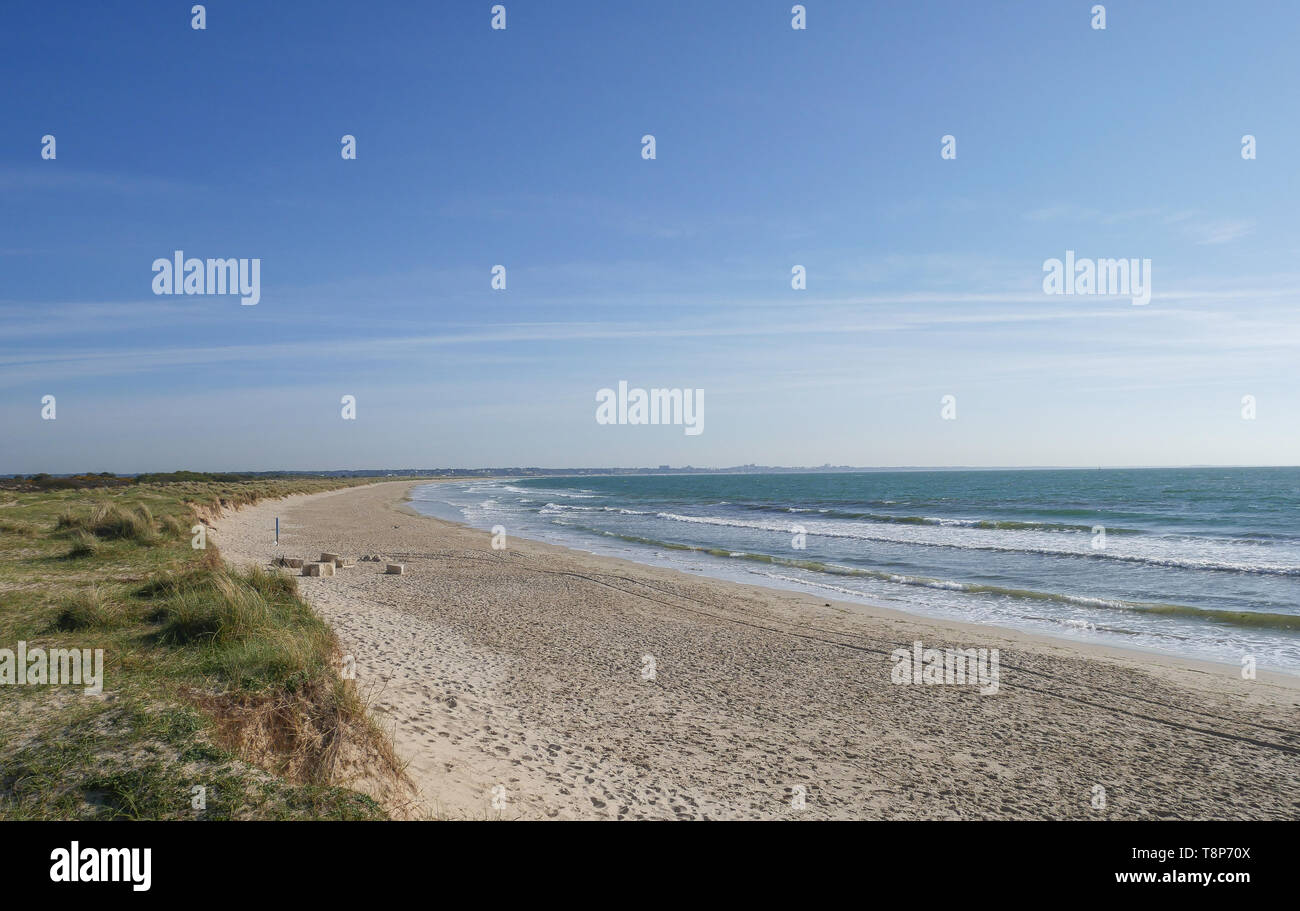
x=517 y=684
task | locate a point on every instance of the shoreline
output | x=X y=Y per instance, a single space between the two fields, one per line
x=513 y=683
x=1095 y=649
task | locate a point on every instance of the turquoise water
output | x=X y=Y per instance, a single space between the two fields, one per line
x=1197 y=562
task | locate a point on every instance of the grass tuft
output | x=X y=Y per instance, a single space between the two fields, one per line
x=113 y=521
x=212 y=606
x=252 y=629
x=88 y=609
x=19 y=529
x=70 y=521
x=175 y=527
x=84 y=544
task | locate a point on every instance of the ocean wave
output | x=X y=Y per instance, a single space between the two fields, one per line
x=552 y=508
x=1199 y=563
x=585 y=495
x=1250 y=619
x=1243 y=619
x=944 y=521
x=1246 y=619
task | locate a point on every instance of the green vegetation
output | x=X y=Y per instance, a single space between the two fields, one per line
x=44 y=481
x=213 y=678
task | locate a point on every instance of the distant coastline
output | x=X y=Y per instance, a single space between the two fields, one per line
x=538 y=472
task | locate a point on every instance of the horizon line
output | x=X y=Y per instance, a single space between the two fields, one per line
x=735 y=469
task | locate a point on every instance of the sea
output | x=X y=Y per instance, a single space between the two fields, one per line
x=1195 y=562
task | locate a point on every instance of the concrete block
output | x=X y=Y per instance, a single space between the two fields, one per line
x=395 y=569
x=336 y=559
x=318 y=569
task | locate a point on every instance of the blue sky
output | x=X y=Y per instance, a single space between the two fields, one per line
x=522 y=147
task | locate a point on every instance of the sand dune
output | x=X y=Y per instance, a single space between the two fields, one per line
x=515 y=685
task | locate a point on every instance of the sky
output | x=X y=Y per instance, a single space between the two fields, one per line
x=522 y=147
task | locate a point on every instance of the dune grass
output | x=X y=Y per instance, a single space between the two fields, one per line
x=217 y=682
x=19 y=529
x=87 y=609
x=84 y=544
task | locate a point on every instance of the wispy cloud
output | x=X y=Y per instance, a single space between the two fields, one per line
x=53 y=176
x=1192 y=224
x=1221 y=232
